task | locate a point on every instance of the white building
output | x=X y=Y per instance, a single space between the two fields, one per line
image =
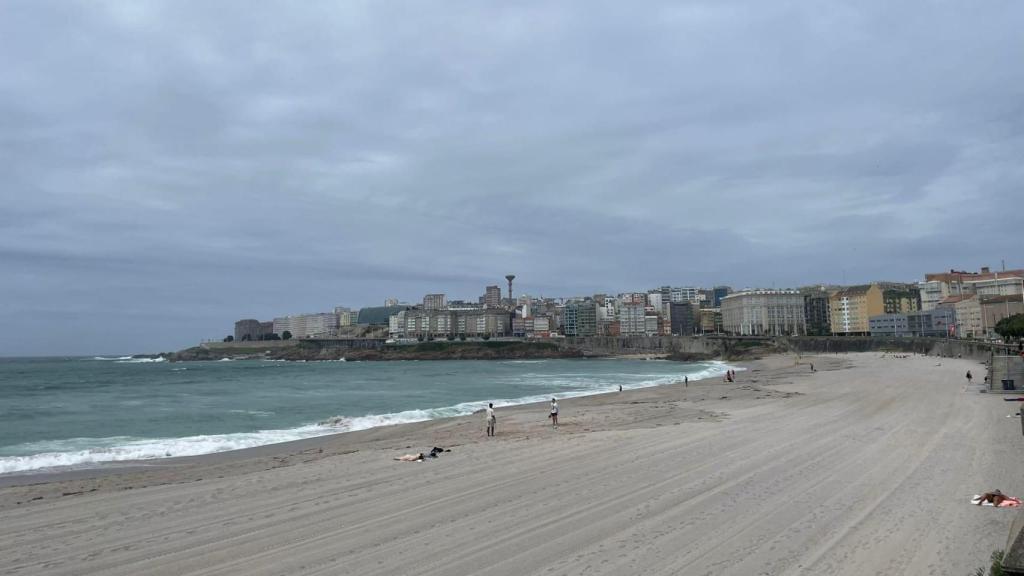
x=318 y=325
x=684 y=294
x=932 y=292
x=764 y=313
x=1008 y=286
x=632 y=319
x=654 y=300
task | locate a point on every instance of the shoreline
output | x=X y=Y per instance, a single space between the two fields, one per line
x=113 y=467
x=784 y=471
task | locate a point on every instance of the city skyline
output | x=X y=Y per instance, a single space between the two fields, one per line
x=170 y=168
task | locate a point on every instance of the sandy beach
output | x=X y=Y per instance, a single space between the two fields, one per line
x=865 y=466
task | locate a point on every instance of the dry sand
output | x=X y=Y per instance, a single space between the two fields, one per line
x=864 y=467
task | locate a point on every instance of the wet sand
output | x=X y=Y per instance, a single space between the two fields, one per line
x=865 y=466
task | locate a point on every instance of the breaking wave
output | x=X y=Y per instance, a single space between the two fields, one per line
x=89 y=452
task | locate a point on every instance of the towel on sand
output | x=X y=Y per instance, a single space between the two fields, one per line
x=1010 y=502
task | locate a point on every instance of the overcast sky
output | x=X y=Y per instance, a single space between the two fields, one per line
x=168 y=168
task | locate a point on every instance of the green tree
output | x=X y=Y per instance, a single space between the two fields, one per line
x=486 y=336
x=229 y=338
x=1011 y=327
x=286 y=335
x=462 y=337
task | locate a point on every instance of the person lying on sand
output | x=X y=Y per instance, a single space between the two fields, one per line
x=995 y=498
x=421 y=456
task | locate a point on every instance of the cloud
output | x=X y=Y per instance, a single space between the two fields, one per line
x=205 y=162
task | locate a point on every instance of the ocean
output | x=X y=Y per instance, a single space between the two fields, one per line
x=83 y=412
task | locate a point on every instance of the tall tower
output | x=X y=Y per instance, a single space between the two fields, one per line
x=510 y=278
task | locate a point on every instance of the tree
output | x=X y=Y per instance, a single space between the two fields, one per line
x=1011 y=327
x=246 y=337
x=286 y=335
x=462 y=337
x=486 y=336
x=450 y=337
x=229 y=338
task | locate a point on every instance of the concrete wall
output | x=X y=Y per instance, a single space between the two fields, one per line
x=599 y=345
x=1006 y=368
x=261 y=345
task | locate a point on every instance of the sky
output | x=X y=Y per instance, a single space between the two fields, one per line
x=167 y=168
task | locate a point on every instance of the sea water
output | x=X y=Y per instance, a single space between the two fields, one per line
x=82 y=412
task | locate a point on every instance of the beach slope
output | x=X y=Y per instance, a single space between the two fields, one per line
x=865 y=466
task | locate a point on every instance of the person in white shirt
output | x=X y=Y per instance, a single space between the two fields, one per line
x=490 y=419
x=554 y=413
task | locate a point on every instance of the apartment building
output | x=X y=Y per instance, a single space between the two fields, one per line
x=632 y=319
x=492 y=297
x=817 y=312
x=435 y=302
x=318 y=325
x=851 y=308
x=937 y=287
x=580 y=319
x=684 y=318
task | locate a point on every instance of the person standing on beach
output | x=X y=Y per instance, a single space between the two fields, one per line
x=490 y=419
x=969 y=377
x=686 y=381
x=554 y=413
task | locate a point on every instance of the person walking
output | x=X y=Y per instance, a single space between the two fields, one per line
x=554 y=413
x=969 y=377
x=686 y=381
x=490 y=419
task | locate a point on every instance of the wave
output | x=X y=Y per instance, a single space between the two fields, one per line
x=89 y=452
x=130 y=360
x=111 y=358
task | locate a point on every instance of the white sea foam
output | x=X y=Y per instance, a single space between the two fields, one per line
x=112 y=358
x=130 y=360
x=87 y=452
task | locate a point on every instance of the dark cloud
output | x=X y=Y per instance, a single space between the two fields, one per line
x=172 y=166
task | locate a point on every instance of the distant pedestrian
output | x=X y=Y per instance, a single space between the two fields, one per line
x=490 y=419
x=620 y=387
x=969 y=377
x=554 y=413
x=812 y=366
x=686 y=381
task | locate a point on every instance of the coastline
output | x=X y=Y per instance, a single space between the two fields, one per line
x=149 y=448
x=344 y=438
x=783 y=471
